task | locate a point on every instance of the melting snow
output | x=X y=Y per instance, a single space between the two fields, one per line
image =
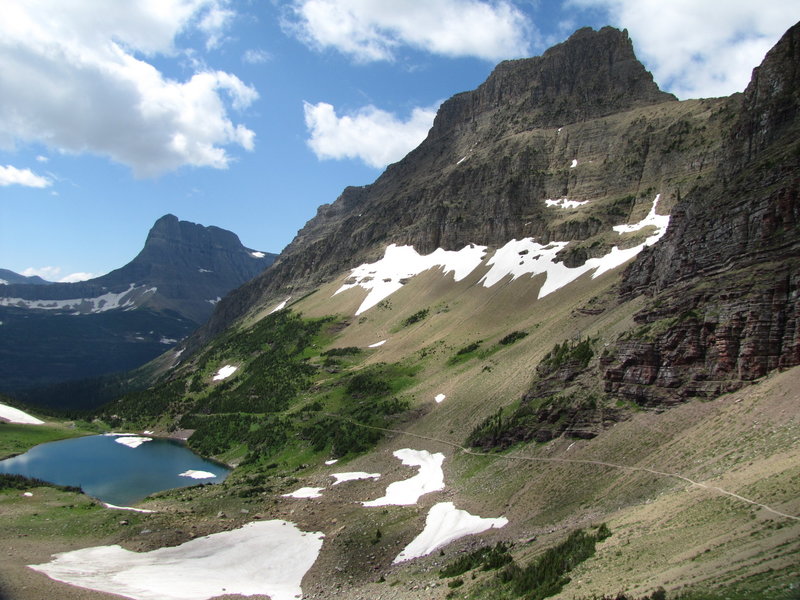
x=3 y=282
x=15 y=415
x=214 y=301
x=280 y=306
x=109 y=301
x=342 y=477
x=166 y=340
x=429 y=479
x=377 y=344
x=574 y=163
x=197 y=474
x=131 y=508
x=383 y=278
x=224 y=373
x=132 y=441
x=204 y=271
x=257 y=254
x=565 y=203
x=264 y=558
x=332 y=461
x=526 y=257
x=445 y=524
x=28 y=494
x=439 y=398
x=305 y=492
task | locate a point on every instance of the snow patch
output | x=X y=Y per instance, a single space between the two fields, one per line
x=429 y=479
x=444 y=524
x=342 y=477
x=131 y=508
x=262 y=558
x=574 y=163
x=565 y=203
x=280 y=306
x=384 y=277
x=462 y=160
x=15 y=415
x=214 y=301
x=526 y=257
x=439 y=398
x=305 y=492
x=197 y=474
x=257 y=254
x=132 y=441
x=332 y=461
x=204 y=271
x=224 y=373
x=28 y=494
x=377 y=344
x=3 y=282
x=109 y=301
x=166 y=340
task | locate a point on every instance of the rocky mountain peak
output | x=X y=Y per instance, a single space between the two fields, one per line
x=592 y=74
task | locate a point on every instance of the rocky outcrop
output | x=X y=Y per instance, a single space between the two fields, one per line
x=584 y=120
x=725 y=280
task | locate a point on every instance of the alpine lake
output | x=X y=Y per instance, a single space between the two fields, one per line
x=118 y=469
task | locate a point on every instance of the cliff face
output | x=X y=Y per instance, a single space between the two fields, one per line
x=584 y=121
x=725 y=279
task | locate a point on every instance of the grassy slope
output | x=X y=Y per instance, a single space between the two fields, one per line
x=665 y=531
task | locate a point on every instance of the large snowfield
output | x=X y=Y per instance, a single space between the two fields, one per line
x=514 y=259
x=15 y=415
x=264 y=557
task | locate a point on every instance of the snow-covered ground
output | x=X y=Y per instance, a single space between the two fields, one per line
x=224 y=373
x=280 y=306
x=15 y=415
x=444 y=524
x=108 y=301
x=197 y=474
x=429 y=479
x=305 y=492
x=515 y=259
x=132 y=441
x=383 y=278
x=354 y=476
x=263 y=557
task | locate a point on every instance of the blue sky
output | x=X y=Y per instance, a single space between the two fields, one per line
x=248 y=115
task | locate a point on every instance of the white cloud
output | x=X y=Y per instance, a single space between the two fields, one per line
x=48 y=273
x=372 y=31
x=701 y=49
x=42 y=159
x=375 y=136
x=13 y=176
x=53 y=274
x=79 y=276
x=255 y=56
x=74 y=78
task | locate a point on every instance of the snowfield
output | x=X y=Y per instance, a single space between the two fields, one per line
x=15 y=415
x=429 y=479
x=383 y=278
x=305 y=492
x=515 y=259
x=342 y=477
x=109 y=301
x=224 y=373
x=132 y=441
x=445 y=524
x=197 y=474
x=263 y=557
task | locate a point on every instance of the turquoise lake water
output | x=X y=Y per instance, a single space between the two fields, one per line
x=112 y=472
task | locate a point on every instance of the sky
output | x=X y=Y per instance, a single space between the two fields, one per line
x=249 y=114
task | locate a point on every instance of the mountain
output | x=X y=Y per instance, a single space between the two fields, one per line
x=7 y=277
x=68 y=331
x=568 y=320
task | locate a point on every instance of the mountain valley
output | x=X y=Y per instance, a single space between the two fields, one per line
x=564 y=330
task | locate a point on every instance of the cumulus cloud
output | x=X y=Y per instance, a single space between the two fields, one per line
x=701 y=49
x=13 y=176
x=53 y=274
x=375 y=136
x=75 y=78
x=373 y=31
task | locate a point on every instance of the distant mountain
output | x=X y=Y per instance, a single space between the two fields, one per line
x=8 y=277
x=68 y=331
